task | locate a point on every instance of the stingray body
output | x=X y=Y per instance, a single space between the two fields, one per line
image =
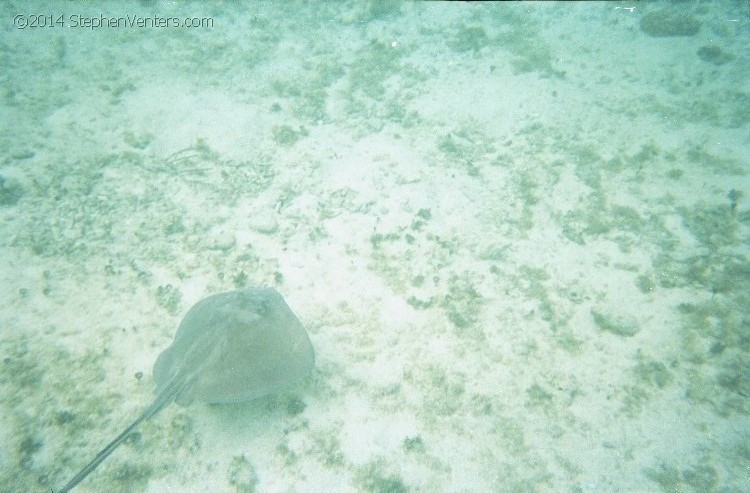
x=230 y=347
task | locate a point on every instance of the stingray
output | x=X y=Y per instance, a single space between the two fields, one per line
x=230 y=347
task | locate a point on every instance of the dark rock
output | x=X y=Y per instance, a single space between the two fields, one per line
x=10 y=191
x=714 y=54
x=669 y=23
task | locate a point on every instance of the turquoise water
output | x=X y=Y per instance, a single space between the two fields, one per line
x=517 y=235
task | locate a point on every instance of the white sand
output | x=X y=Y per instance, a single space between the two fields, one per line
x=516 y=233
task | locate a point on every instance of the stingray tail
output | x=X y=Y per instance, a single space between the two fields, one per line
x=165 y=397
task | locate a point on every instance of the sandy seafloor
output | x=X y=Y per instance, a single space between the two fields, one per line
x=517 y=235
